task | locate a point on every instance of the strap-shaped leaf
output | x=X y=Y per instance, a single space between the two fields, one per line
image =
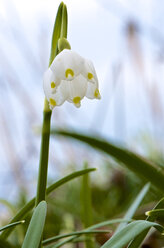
x=35 y=228
x=134 y=206
x=86 y=232
x=12 y=225
x=64 y=24
x=156 y=213
x=98 y=225
x=136 y=163
x=123 y=237
x=139 y=239
x=56 y=33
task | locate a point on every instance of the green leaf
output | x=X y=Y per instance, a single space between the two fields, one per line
x=55 y=238
x=139 y=239
x=35 y=228
x=21 y=213
x=68 y=178
x=12 y=225
x=108 y=222
x=139 y=165
x=98 y=225
x=123 y=237
x=86 y=200
x=155 y=213
x=56 y=33
x=134 y=206
x=64 y=24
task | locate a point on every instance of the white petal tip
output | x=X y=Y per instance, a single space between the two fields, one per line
x=52 y=103
x=77 y=105
x=77 y=101
x=53 y=91
x=99 y=97
x=97 y=94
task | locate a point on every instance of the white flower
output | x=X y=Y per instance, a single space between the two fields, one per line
x=69 y=78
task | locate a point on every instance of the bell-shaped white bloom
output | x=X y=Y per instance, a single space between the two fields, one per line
x=69 y=78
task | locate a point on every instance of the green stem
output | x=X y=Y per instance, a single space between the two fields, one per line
x=60 y=30
x=44 y=153
x=87 y=205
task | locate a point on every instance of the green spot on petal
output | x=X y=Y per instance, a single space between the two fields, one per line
x=90 y=75
x=69 y=72
x=97 y=94
x=76 y=101
x=52 y=102
x=53 y=85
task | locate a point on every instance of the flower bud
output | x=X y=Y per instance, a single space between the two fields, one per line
x=63 y=44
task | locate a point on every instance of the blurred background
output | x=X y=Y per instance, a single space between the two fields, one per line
x=125 y=41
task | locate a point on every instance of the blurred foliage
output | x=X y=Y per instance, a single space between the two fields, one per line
x=109 y=201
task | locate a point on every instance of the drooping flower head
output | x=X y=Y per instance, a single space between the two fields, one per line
x=69 y=78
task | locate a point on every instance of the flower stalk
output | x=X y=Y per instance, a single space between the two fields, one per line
x=44 y=153
x=44 y=150
x=87 y=205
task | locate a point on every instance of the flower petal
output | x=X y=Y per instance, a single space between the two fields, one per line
x=50 y=83
x=77 y=89
x=92 y=91
x=89 y=72
x=67 y=65
x=60 y=96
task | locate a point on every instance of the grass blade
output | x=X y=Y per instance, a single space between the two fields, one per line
x=134 y=206
x=98 y=225
x=68 y=178
x=86 y=200
x=108 y=222
x=156 y=213
x=55 y=238
x=35 y=228
x=12 y=225
x=139 y=239
x=139 y=165
x=129 y=232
